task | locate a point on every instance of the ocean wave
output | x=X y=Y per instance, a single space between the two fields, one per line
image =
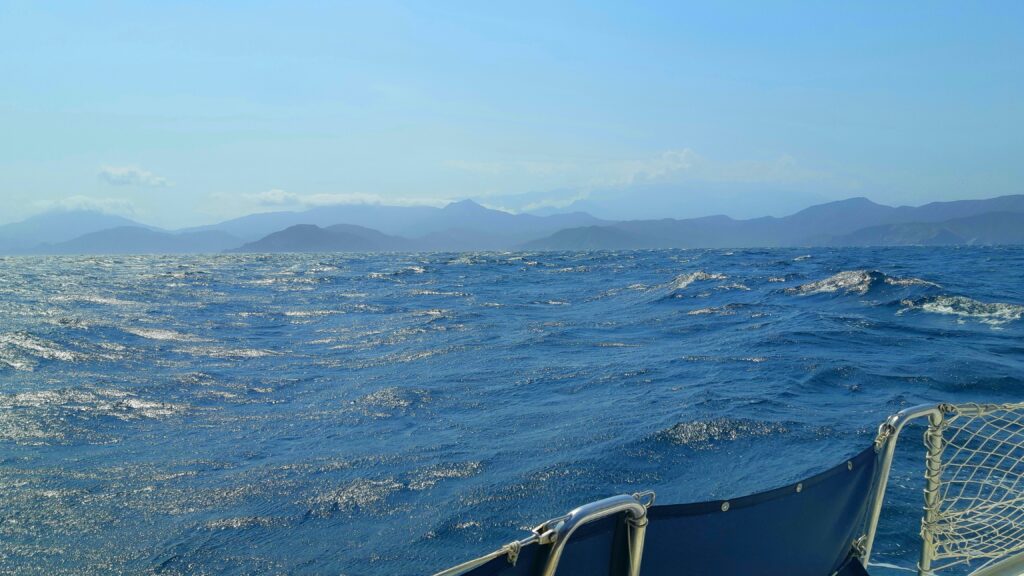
x=727 y=310
x=43 y=416
x=227 y=353
x=161 y=334
x=675 y=288
x=390 y=401
x=683 y=280
x=396 y=273
x=240 y=523
x=439 y=293
x=430 y=476
x=991 y=313
x=21 y=350
x=855 y=282
x=95 y=299
x=363 y=495
x=309 y=313
x=707 y=434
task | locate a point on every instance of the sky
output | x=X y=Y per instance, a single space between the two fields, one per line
x=186 y=113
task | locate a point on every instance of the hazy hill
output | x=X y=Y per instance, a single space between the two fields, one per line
x=591 y=238
x=989 y=228
x=337 y=238
x=57 y=226
x=138 y=240
x=827 y=224
x=473 y=220
x=389 y=219
x=467 y=225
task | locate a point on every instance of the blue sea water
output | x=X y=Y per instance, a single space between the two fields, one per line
x=395 y=414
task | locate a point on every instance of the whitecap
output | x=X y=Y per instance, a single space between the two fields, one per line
x=308 y=313
x=94 y=299
x=991 y=313
x=712 y=310
x=855 y=281
x=858 y=281
x=160 y=334
x=438 y=293
x=33 y=346
x=216 y=352
x=683 y=280
x=238 y=523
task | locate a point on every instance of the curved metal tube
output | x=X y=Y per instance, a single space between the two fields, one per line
x=558 y=530
x=888 y=434
x=561 y=532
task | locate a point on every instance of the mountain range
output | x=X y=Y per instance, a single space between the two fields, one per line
x=466 y=225
x=856 y=221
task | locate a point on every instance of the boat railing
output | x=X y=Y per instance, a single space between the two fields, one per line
x=973 y=514
x=974 y=486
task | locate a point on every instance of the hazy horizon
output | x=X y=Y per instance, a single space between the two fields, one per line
x=600 y=214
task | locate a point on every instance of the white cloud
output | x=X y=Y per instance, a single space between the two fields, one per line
x=667 y=164
x=558 y=202
x=673 y=166
x=105 y=205
x=131 y=176
x=586 y=172
x=273 y=197
x=278 y=197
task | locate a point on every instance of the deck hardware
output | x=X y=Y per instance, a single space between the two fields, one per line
x=799 y=487
x=636 y=520
x=849 y=464
x=646 y=497
x=725 y=506
x=858 y=546
x=513 y=552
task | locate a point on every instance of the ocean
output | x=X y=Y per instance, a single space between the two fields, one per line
x=396 y=414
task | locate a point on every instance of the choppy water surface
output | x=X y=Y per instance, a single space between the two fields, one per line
x=394 y=414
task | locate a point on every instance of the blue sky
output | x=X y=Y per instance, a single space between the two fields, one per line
x=182 y=113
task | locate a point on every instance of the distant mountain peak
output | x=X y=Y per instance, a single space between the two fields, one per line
x=60 y=225
x=862 y=200
x=466 y=205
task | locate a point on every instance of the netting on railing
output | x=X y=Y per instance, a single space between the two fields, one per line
x=974 y=512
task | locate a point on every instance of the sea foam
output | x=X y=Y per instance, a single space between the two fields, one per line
x=855 y=282
x=992 y=313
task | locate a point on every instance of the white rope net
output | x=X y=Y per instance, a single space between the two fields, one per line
x=976 y=510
